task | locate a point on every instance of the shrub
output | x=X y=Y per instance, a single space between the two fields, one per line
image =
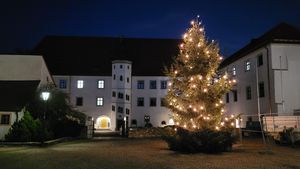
x=205 y=140
x=27 y=129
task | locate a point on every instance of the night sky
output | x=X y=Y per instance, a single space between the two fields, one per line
x=233 y=23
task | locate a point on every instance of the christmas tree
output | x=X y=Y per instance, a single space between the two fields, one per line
x=196 y=88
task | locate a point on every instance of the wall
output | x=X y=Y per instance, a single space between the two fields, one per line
x=286 y=77
x=157 y=113
x=5 y=128
x=248 y=108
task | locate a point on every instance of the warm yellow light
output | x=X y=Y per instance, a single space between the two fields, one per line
x=195 y=109
x=201 y=107
x=234 y=81
x=201 y=29
x=176 y=72
x=191 y=67
x=185 y=35
x=181 y=45
x=222 y=110
x=194 y=86
x=220 y=58
x=199 y=44
x=217 y=128
x=192 y=22
x=200 y=77
x=232 y=124
x=184 y=126
x=217 y=104
x=194 y=126
x=190 y=106
x=191 y=40
x=207 y=52
x=222 y=123
x=221 y=101
x=177 y=123
x=175 y=129
x=187 y=56
x=205 y=90
x=226 y=119
x=170 y=84
x=192 y=78
x=225 y=77
x=232 y=116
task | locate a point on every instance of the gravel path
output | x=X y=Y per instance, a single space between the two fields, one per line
x=145 y=153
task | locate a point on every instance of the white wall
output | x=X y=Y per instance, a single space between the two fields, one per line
x=248 y=108
x=5 y=128
x=286 y=77
x=158 y=113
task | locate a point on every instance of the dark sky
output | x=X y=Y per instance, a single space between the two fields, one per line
x=233 y=23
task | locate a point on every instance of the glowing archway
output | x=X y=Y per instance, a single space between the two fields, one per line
x=102 y=122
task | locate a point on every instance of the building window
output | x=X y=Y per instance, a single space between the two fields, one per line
x=113 y=108
x=100 y=84
x=233 y=71
x=152 y=101
x=5 y=119
x=114 y=77
x=152 y=84
x=63 y=83
x=121 y=78
x=114 y=66
x=140 y=101
x=127 y=79
x=140 y=84
x=113 y=94
x=134 y=122
x=120 y=95
x=99 y=101
x=227 y=97
x=121 y=66
x=79 y=84
x=260 y=60
x=79 y=101
x=127 y=111
x=248 y=93
x=163 y=102
x=261 y=88
x=247 y=65
x=120 y=109
x=127 y=97
x=163 y=84
x=128 y=67
x=235 y=96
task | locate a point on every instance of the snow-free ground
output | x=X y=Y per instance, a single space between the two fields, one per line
x=145 y=153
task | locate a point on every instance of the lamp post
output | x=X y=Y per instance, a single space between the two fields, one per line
x=45 y=96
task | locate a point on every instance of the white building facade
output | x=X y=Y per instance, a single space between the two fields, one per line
x=267 y=74
x=113 y=100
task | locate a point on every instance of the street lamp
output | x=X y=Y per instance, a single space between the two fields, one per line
x=45 y=96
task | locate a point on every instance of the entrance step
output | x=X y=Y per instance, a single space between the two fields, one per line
x=106 y=133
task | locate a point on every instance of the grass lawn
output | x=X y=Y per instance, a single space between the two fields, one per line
x=144 y=153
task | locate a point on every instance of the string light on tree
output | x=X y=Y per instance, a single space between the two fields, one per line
x=196 y=84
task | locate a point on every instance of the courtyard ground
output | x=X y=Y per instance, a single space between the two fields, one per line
x=145 y=153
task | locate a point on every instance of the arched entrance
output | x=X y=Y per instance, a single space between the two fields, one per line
x=102 y=122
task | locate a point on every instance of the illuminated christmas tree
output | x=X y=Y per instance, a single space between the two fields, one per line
x=196 y=88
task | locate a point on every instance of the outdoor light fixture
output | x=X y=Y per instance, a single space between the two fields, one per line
x=45 y=95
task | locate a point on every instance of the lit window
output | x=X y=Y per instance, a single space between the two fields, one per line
x=248 y=65
x=163 y=84
x=5 y=119
x=99 y=101
x=233 y=71
x=100 y=84
x=140 y=84
x=79 y=84
x=62 y=84
x=152 y=84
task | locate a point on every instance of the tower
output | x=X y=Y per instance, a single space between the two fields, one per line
x=121 y=93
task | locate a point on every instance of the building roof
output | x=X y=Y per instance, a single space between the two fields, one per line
x=282 y=33
x=93 y=56
x=16 y=94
